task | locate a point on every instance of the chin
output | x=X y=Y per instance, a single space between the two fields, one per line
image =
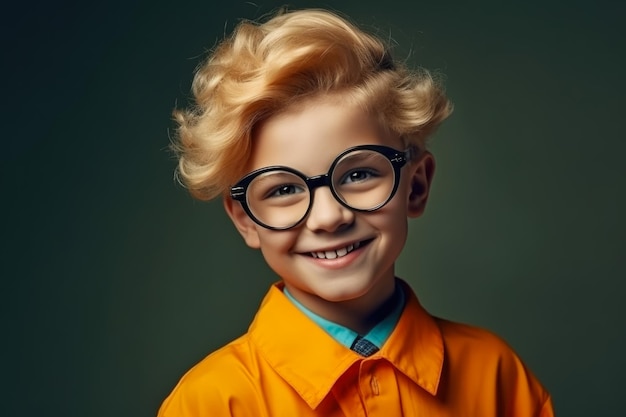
x=344 y=294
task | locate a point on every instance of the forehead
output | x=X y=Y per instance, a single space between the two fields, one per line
x=309 y=136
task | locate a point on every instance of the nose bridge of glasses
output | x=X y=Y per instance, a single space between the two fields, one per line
x=317 y=181
x=326 y=211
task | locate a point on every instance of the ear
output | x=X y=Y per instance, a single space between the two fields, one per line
x=244 y=224
x=422 y=172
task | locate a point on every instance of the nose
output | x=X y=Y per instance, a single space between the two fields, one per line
x=327 y=214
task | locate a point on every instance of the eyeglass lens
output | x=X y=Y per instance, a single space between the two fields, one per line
x=362 y=180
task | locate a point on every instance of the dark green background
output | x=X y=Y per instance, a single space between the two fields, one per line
x=114 y=281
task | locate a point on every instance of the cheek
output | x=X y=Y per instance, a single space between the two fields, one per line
x=393 y=220
x=274 y=243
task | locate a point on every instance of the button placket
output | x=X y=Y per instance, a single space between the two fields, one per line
x=378 y=388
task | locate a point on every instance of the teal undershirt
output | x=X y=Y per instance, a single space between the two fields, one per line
x=377 y=335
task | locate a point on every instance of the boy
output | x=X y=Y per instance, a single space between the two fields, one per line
x=315 y=138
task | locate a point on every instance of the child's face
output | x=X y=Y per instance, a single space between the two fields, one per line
x=335 y=254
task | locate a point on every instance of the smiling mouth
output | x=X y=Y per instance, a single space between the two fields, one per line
x=338 y=253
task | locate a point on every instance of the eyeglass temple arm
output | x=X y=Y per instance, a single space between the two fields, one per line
x=237 y=193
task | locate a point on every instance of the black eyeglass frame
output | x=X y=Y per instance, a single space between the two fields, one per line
x=397 y=158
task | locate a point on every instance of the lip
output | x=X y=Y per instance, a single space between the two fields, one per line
x=356 y=244
x=338 y=262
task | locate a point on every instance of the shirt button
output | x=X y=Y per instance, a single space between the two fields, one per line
x=374 y=385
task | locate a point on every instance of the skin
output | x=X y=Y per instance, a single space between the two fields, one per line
x=354 y=290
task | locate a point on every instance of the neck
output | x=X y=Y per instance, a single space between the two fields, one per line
x=360 y=314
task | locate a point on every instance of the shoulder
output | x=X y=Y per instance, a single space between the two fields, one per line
x=466 y=344
x=468 y=339
x=222 y=384
x=478 y=357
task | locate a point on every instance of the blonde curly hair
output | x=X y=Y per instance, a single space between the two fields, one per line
x=263 y=68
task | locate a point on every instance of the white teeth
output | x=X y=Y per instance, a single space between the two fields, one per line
x=333 y=254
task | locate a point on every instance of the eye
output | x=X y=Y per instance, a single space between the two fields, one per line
x=284 y=190
x=359 y=175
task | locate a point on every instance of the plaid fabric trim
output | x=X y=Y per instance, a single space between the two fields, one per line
x=363 y=347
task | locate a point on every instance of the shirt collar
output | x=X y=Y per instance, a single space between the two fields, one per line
x=415 y=346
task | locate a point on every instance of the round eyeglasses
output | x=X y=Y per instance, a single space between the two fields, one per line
x=363 y=178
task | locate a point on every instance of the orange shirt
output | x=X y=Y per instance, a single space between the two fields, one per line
x=288 y=366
